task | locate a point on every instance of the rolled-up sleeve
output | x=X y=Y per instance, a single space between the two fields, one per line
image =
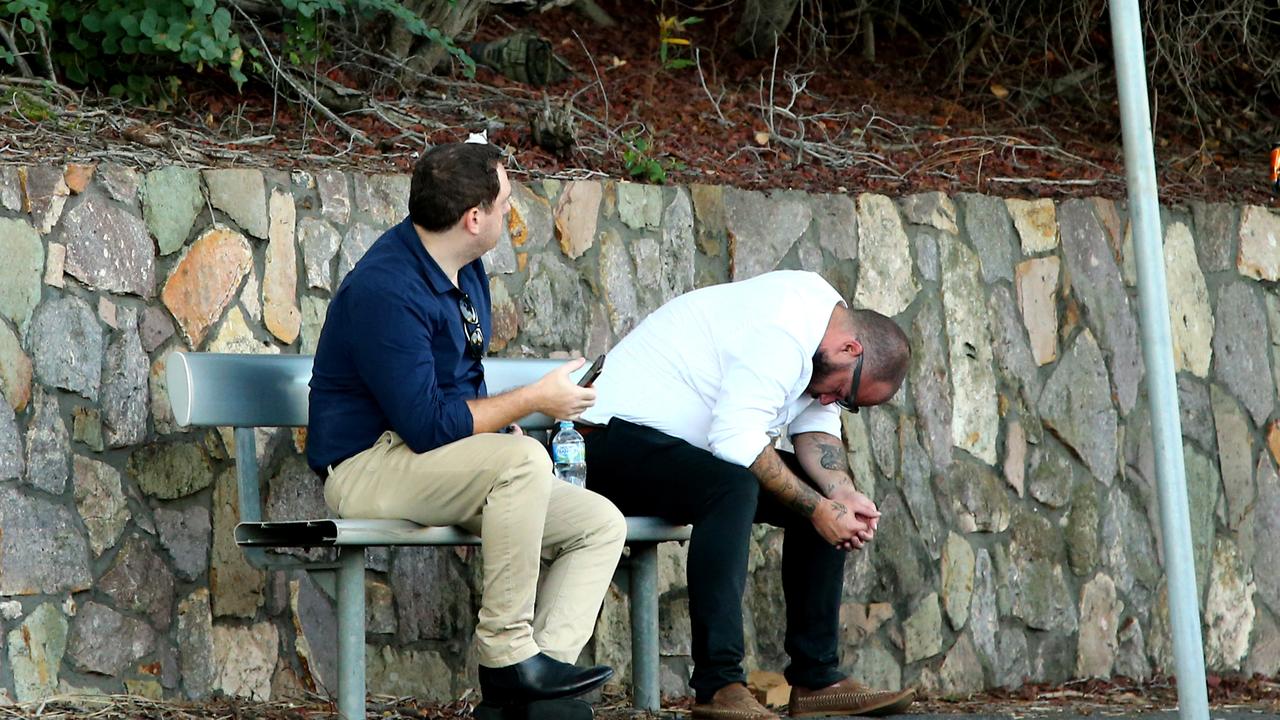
x=393 y=357
x=817 y=418
x=754 y=389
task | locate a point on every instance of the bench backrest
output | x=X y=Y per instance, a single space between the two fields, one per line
x=232 y=390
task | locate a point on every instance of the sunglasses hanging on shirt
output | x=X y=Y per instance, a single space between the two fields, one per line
x=471 y=328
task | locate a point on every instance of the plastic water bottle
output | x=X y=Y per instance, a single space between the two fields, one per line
x=569 y=453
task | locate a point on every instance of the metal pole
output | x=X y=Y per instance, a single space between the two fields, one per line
x=1157 y=350
x=644 y=626
x=351 y=633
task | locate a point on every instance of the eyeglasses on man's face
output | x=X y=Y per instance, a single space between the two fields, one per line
x=850 y=403
x=471 y=328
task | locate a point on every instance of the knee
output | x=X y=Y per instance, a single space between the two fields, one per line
x=613 y=524
x=523 y=460
x=737 y=496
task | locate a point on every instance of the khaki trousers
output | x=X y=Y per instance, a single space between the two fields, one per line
x=502 y=488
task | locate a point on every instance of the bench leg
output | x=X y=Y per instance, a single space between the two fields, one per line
x=351 y=634
x=644 y=626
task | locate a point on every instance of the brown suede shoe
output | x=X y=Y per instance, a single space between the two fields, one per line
x=848 y=698
x=733 y=702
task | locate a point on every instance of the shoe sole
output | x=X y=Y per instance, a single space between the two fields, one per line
x=892 y=706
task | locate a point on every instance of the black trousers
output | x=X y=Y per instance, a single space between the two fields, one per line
x=646 y=472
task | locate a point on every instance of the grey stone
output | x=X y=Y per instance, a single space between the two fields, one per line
x=241 y=193
x=1095 y=279
x=639 y=205
x=139 y=581
x=960 y=674
x=676 y=250
x=978 y=498
x=319 y=244
x=120 y=182
x=886 y=274
x=101 y=502
x=554 y=312
x=46 y=192
x=171 y=471
x=884 y=440
x=10 y=189
x=990 y=229
x=41 y=549
x=1052 y=475
x=876 y=667
x=1228 y=610
x=131 y=640
x=384 y=199
x=836 y=220
x=15 y=370
x=48 y=445
x=916 y=490
x=674 y=625
x=762 y=228
x=124 y=386
x=155 y=327
x=708 y=204
x=957 y=579
x=501 y=259
x=1240 y=351
x=1190 y=317
x=1127 y=550
x=294 y=493
x=898 y=553
x=1264 y=658
x=858 y=443
x=974 y=420
x=1013 y=664
x=35 y=653
x=185 y=533
x=925 y=242
x=1041 y=595
x=931 y=208
x=531 y=223
x=1011 y=348
x=1195 y=412
x=922 y=631
x=1259 y=256
x=170 y=202
x=1235 y=455
x=335 y=200
x=1273 y=319
x=235 y=586
x=1099 y=619
x=930 y=381
x=1076 y=407
x=316 y=622
x=195 y=644
x=67 y=344
x=425 y=613
x=1131 y=652
x=617 y=283
x=1217 y=231
x=355 y=243
x=86 y=427
x=1266 y=530
x=984 y=618
x=380 y=613
x=23 y=252
x=1203 y=494
x=422 y=674
x=245 y=658
x=314 y=310
x=1033 y=536
x=1083 y=551
x=1053 y=658
x=1015 y=456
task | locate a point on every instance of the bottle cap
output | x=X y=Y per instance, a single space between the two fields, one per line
x=566 y=424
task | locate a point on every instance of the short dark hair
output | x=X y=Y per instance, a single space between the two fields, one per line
x=449 y=180
x=886 y=349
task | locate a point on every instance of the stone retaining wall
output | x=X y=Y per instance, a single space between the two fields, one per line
x=1020 y=536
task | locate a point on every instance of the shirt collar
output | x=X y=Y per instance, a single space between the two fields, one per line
x=435 y=277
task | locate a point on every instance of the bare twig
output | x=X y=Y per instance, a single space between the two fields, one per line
x=21 y=62
x=603 y=93
x=715 y=102
x=48 y=56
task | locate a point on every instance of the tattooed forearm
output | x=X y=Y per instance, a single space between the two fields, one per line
x=777 y=479
x=833 y=457
x=823 y=457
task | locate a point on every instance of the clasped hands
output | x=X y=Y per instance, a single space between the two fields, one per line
x=847 y=520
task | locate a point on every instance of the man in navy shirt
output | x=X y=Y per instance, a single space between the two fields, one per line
x=401 y=427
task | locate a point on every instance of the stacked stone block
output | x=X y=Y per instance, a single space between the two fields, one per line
x=1020 y=538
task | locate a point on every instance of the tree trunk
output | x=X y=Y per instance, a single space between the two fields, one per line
x=762 y=22
x=421 y=56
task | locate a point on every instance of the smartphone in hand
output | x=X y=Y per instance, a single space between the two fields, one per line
x=592 y=372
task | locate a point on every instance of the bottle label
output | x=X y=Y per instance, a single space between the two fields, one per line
x=569 y=454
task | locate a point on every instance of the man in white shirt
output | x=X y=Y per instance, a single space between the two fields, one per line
x=687 y=411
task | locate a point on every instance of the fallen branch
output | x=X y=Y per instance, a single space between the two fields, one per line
x=21 y=62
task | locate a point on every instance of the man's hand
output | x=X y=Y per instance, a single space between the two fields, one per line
x=841 y=527
x=560 y=397
x=863 y=510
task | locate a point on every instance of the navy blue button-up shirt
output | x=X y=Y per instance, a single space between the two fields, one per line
x=392 y=353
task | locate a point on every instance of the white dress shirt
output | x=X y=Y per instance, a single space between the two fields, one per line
x=725 y=367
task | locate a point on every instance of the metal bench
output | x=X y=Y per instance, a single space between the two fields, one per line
x=248 y=391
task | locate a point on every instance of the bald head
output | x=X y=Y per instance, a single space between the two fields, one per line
x=886 y=350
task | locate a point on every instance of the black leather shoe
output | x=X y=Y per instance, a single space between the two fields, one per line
x=539 y=678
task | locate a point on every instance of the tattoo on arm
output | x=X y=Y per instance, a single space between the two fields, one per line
x=775 y=477
x=833 y=457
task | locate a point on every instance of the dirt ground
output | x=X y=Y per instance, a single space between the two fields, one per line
x=826 y=123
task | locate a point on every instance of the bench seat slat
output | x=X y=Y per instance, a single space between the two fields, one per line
x=332 y=532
